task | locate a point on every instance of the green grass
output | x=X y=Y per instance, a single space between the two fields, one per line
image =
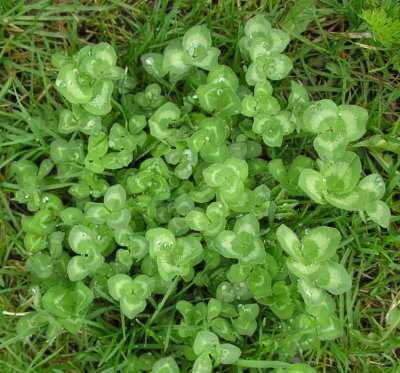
x=331 y=63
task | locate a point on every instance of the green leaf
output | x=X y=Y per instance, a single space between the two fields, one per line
x=131 y=305
x=216 y=211
x=275 y=42
x=331 y=145
x=205 y=342
x=289 y=242
x=329 y=327
x=355 y=119
x=319 y=116
x=215 y=175
x=207 y=60
x=232 y=188
x=101 y=63
x=224 y=101
x=342 y=175
x=119 y=219
x=320 y=244
x=260 y=282
x=100 y=102
x=238 y=167
x=196 y=40
x=202 y=364
x=304 y=271
x=257 y=26
x=120 y=285
x=214 y=308
x=98 y=145
x=153 y=64
x=374 y=185
x=165 y=365
x=334 y=278
x=197 y=220
x=115 y=198
x=355 y=200
x=162 y=118
x=80 y=267
x=298 y=97
x=97 y=214
x=224 y=77
x=40 y=264
x=229 y=245
x=68 y=85
x=159 y=238
x=378 y=212
x=138 y=247
x=312 y=183
x=229 y=354
x=143 y=286
x=31 y=323
x=255 y=73
x=83 y=296
x=81 y=239
x=247 y=227
x=311 y=294
x=277 y=66
x=174 y=60
x=137 y=123
x=59 y=301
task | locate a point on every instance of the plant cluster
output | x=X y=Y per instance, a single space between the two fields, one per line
x=170 y=185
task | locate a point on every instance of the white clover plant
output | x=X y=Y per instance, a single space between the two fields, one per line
x=161 y=193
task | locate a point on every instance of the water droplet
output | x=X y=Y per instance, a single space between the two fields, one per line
x=45 y=199
x=149 y=61
x=92 y=62
x=75 y=71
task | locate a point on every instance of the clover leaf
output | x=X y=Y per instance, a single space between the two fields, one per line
x=273 y=127
x=262 y=102
x=151 y=98
x=377 y=210
x=100 y=63
x=336 y=183
x=162 y=118
x=153 y=64
x=79 y=119
x=82 y=241
x=219 y=94
x=68 y=84
x=209 y=140
x=335 y=126
x=165 y=365
x=130 y=293
x=194 y=50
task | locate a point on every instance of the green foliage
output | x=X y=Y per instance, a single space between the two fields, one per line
x=162 y=194
x=385 y=27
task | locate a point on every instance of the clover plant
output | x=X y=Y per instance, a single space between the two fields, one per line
x=160 y=194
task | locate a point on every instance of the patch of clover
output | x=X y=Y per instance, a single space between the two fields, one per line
x=160 y=193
